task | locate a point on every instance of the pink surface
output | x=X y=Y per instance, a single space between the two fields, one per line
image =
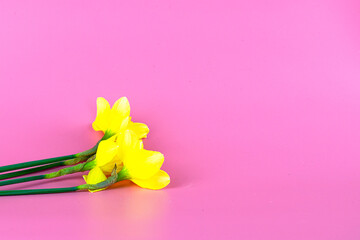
x=255 y=105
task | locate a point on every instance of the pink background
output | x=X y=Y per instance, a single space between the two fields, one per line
x=255 y=105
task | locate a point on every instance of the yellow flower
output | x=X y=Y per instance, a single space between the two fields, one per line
x=113 y=150
x=142 y=167
x=116 y=119
x=125 y=150
x=95 y=176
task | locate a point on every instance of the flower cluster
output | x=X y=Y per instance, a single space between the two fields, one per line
x=119 y=155
x=125 y=149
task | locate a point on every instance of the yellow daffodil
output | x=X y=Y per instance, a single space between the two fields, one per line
x=142 y=167
x=126 y=151
x=116 y=119
x=118 y=155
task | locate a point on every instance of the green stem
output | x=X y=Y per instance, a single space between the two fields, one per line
x=37 y=191
x=104 y=184
x=81 y=167
x=93 y=150
x=21 y=180
x=44 y=167
x=35 y=163
x=89 y=152
x=86 y=153
x=31 y=170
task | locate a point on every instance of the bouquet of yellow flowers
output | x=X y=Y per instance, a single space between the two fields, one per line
x=118 y=155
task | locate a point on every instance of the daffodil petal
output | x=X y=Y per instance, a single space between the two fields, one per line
x=140 y=129
x=95 y=176
x=160 y=180
x=139 y=145
x=106 y=152
x=120 y=115
x=118 y=123
x=127 y=140
x=124 y=124
x=130 y=140
x=121 y=107
x=101 y=122
x=143 y=164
